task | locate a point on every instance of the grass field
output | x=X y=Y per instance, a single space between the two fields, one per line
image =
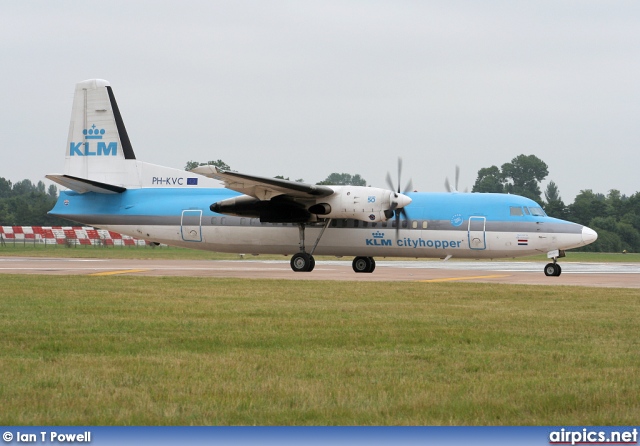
x=165 y=252
x=182 y=351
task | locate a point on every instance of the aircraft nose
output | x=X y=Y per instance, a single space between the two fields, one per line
x=403 y=200
x=588 y=235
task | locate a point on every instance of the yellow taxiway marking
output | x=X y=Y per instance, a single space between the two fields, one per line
x=449 y=279
x=124 y=271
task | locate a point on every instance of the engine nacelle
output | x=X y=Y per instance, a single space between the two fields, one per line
x=269 y=211
x=358 y=202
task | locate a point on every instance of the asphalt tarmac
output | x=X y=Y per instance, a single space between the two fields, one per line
x=614 y=275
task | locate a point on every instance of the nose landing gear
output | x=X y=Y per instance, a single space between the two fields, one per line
x=553 y=269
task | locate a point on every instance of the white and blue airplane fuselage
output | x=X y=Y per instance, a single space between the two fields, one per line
x=224 y=211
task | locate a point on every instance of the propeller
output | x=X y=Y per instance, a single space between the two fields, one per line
x=447 y=185
x=400 y=200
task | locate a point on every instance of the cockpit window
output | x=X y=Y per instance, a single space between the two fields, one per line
x=538 y=212
x=516 y=211
x=526 y=210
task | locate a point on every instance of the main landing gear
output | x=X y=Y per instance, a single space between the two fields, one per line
x=303 y=261
x=364 y=264
x=553 y=269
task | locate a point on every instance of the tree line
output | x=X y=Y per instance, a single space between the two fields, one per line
x=27 y=204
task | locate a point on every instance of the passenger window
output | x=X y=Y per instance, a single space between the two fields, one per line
x=405 y=223
x=334 y=223
x=222 y=220
x=516 y=211
x=365 y=224
x=424 y=224
x=414 y=224
x=356 y=223
x=214 y=221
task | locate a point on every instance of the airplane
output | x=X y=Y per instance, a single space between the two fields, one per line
x=226 y=211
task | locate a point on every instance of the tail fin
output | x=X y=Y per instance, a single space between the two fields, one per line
x=99 y=155
x=99 y=151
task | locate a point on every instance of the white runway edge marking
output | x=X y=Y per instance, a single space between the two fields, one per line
x=497 y=266
x=151 y=268
x=324 y=265
x=49 y=259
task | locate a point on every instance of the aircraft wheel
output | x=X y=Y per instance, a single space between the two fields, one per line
x=552 y=269
x=363 y=264
x=373 y=264
x=302 y=262
x=313 y=264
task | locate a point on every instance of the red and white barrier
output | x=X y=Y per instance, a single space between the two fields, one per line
x=63 y=235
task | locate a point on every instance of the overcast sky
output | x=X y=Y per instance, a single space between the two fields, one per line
x=306 y=88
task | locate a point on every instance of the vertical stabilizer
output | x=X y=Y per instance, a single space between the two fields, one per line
x=99 y=154
x=98 y=147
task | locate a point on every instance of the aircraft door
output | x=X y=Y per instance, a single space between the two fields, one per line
x=477 y=238
x=191 y=225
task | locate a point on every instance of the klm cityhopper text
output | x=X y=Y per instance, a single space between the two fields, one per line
x=408 y=242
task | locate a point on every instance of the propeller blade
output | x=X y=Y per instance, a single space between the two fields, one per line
x=390 y=182
x=447 y=184
x=400 y=212
x=408 y=187
x=399 y=172
x=394 y=210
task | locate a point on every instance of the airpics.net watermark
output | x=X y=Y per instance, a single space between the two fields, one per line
x=592 y=436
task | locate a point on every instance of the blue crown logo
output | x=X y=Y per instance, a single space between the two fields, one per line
x=93 y=133
x=377 y=234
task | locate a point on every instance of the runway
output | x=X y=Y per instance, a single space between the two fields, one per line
x=573 y=274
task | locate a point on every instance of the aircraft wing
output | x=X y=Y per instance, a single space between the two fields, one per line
x=263 y=188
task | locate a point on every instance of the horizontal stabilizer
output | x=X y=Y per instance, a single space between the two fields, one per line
x=82 y=185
